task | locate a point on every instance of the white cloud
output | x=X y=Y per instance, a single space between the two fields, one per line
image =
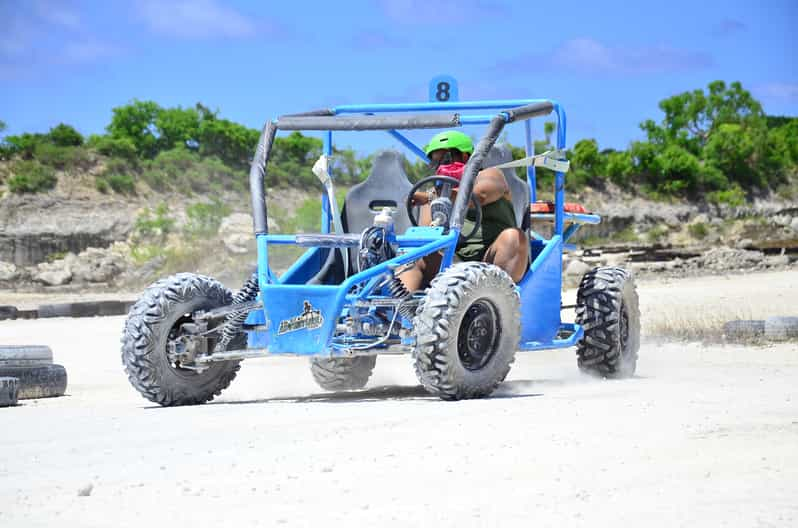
x=591 y=57
x=429 y=12
x=57 y=13
x=195 y=19
x=777 y=91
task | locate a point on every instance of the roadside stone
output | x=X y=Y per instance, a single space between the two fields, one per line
x=55 y=273
x=776 y=261
x=616 y=259
x=794 y=224
x=96 y=265
x=576 y=268
x=237 y=235
x=85 y=491
x=700 y=218
x=8 y=271
x=53 y=278
x=745 y=243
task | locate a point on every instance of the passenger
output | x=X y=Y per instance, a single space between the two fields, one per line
x=498 y=240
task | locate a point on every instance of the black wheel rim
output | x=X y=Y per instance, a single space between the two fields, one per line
x=623 y=332
x=174 y=363
x=478 y=336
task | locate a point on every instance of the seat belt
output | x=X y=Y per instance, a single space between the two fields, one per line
x=551 y=159
x=322 y=171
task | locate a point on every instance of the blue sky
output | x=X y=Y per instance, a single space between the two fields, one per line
x=608 y=62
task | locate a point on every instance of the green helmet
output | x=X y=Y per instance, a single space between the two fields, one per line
x=448 y=140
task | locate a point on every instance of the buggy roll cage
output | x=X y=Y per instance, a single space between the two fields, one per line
x=395 y=117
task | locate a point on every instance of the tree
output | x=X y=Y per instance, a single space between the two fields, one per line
x=691 y=117
x=177 y=127
x=232 y=143
x=136 y=122
x=731 y=148
x=65 y=136
x=2 y=125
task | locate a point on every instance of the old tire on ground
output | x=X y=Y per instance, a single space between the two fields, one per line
x=337 y=374
x=8 y=391
x=42 y=381
x=467 y=330
x=743 y=329
x=607 y=308
x=156 y=318
x=781 y=328
x=25 y=355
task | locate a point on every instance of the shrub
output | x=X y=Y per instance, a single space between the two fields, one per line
x=155 y=224
x=734 y=196
x=31 y=177
x=114 y=147
x=657 y=233
x=121 y=183
x=204 y=218
x=698 y=230
x=61 y=157
x=65 y=136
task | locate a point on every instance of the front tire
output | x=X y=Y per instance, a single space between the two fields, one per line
x=467 y=330
x=607 y=309
x=153 y=321
x=342 y=374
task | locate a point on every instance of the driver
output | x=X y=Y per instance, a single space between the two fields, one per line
x=498 y=240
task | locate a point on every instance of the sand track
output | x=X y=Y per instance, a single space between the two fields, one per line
x=703 y=436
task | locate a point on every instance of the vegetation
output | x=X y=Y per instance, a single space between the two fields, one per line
x=714 y=144
x=30 y=176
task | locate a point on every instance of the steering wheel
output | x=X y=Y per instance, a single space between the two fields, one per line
x=446 y=192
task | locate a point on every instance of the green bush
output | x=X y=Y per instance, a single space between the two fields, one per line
x=61 y=157
x=698 y=230
x=185 y=171
x=121 y=183
x=657 y=233
x=31 y=177
x=101 y=184
x=204 y=218
x=65 y=136
x=154 y=224
x=734 y=196
x=114 y=147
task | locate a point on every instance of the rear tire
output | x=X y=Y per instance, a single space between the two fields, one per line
x=340 y=374
x=466 y=330
x=607 y=309
x=159 y=313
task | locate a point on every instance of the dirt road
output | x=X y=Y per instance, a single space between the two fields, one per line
x=703 y=436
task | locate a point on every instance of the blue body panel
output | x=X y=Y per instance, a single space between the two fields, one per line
x=541 y=295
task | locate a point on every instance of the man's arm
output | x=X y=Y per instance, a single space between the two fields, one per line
x=490 y=186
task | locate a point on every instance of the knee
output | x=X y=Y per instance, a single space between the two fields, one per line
x=512 y=239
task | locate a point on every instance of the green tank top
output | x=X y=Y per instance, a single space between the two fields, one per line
x=496 y=217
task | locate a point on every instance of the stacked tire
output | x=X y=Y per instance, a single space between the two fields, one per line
x=28 y=372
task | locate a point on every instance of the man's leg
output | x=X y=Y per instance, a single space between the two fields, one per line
x=422 y=273
x=510 y=251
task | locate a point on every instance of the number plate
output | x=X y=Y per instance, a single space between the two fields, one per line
x=443 y=89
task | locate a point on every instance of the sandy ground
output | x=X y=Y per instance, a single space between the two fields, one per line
x=702 y=436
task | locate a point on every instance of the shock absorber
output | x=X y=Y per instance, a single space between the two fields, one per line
x=234 y=321
x=399 y=291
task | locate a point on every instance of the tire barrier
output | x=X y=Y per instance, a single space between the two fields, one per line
x=781 y=328
x=76 y=309
x=25 y=355
x=8 y=392
x=43 y=381
x=743 y=329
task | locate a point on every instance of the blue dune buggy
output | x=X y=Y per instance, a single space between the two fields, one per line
x=342 y=302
